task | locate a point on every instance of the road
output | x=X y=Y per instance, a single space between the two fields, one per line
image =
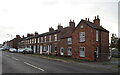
x=24 y=63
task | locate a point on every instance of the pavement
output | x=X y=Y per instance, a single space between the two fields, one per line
x=24 y=63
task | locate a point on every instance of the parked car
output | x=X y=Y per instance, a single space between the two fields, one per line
x=1 y=49
x=28 y=51
x=20 y=50
x=12 y=50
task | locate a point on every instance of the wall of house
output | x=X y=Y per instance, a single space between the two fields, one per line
x=89 y=43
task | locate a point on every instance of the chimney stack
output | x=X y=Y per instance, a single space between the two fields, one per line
x=72 y=23
x=60 y=27
x=96 y=21
x=28 y=35
x=18 y=36
x=36 y=33
x=23 y=36
x=51 y=29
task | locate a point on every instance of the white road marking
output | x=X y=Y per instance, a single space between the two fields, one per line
x=34 y=66
x=14 y=58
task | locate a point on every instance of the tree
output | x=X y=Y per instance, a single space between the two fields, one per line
x=114 y=41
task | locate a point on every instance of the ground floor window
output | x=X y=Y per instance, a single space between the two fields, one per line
x=45 y=49
x=61 y=51
x=69 y=51
x=82 y=51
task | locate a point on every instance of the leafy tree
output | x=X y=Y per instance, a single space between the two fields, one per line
x=114 y=41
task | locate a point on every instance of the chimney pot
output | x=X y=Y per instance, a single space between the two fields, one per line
x=72 y=24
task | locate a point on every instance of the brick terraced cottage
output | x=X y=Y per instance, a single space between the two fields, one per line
x=84 y=41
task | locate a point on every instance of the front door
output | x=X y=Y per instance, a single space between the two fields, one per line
x=34 y=49
x=40 y=49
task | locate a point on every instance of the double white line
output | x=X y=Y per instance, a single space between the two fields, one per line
x=34 y=66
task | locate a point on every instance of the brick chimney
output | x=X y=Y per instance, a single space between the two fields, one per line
x=36 y=33
x=23 y=36
x=72 y=23
x=60 y=27
x=18 y=36
x=96 y=21
x=28 y=35
x=51 y=29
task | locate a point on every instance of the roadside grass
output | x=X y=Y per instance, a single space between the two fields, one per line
x=61 y=58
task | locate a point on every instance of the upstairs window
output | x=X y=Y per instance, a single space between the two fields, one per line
x=82 y=36
x=35 y=40
x=45 y=39
x=41 y=40
x=38 y=40
x=97 y=35
x=55 y=37
x=69 y=40
x=30 y=41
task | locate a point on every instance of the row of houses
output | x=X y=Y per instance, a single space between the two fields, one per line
x=88 y=40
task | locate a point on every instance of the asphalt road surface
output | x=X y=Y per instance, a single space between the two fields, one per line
x=24 y=63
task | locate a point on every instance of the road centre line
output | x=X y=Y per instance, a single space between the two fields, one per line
x=34 y=66
x=14 y=58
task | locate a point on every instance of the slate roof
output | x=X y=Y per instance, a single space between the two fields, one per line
x=94 y=26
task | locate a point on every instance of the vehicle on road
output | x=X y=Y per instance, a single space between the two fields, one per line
x=20 y=50
x=1 y=49
x=28 y=51
x=12 y=50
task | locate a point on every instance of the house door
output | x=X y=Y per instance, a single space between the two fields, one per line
x=40 y=49
x=34 y=49
x=48 y=49
x=61 y=51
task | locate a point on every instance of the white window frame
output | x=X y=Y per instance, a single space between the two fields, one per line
x=82 y=53
x=82 y=38
x=97 y=34
x=69 y=40
x=38 y=40
x=34 y=40
x=41 y=40
x=45 y=48
x=69 y=52
x=55 y=36
x=45 y=39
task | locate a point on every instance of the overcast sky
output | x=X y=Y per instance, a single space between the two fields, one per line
x=27 y=16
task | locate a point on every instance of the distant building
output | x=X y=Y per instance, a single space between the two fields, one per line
x=14 y=42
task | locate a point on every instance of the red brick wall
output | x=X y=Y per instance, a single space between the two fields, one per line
x=90 y=43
